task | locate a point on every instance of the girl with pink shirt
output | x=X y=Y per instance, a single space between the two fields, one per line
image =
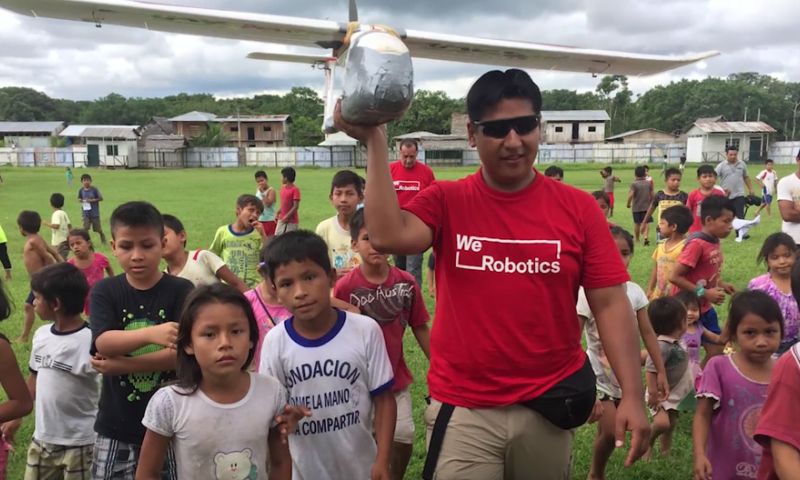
x=93 y=265
x=265 y=306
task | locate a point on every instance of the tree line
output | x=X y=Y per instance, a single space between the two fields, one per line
x=671 y=108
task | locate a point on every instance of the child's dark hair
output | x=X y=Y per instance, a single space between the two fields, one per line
x=756 y=302
x=5 y=302
x=173 y=223
x=769 y=160
x=86 y=176
x=774 y=241
x=619 y=232
x=601 y=195
x=688 y=299
x=57 y=200
x=495 y=86
x=714 y=207
x=295 y=247
x=672 y=171
x=553 y=171
x=188 y=370
x=289 y=174
x=357 y=222
x=248 y=199
x=667 y=315
x=705 y=170
x=731 y=147
x=261 y=174
x=83 y=233
x=263 y=269
x=638 y=172
x=29 y=221
x=62 y=282
x=346 y=178
x=680 y=216
x=608 y=169
x=137 y=214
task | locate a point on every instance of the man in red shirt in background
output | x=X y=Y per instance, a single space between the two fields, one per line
x=410 y=177
x=508 y=377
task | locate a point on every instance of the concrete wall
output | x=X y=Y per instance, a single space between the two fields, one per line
x=565 y=135
x=648 y=136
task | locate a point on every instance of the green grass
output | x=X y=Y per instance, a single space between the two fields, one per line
x=205 y=199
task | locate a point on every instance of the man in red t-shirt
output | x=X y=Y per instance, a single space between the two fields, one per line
x=508 y=377
x=410 y=177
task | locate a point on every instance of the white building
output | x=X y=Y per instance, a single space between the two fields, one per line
x=708 y=138
x=574 y=126
x=106 y=145
x=29 y=134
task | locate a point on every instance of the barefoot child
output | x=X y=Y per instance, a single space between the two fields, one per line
x=238 y=244
x=608 y=187
x=640 y=195
x=221 y=420
x=673 y=225
x=93 y=265
x=733 y=390
x=36 y=255
x=60 y=225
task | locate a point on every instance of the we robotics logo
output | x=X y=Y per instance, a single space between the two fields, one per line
x=500 y=255
x=406 y=186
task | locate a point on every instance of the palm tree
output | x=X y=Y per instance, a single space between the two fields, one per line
x=214 y=136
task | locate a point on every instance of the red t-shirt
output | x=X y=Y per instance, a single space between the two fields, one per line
x=781 y=412
x=704 y=259
x=508 y=268
x=408 y=182
x=395 y=303
x=694 y=201
x=289 y=195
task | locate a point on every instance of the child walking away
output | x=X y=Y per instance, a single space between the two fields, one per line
x=672 y=226
x=288 y=219
x=266 y=194
x=4 y=260
x=768 y=180
x=393 y=299
x=69 y=176
x=62 y=380
x=93 y=265
x=670 y=196
x=733 y=390
x=707 y=179
x=36 y=255
x=609 y=393
x=778 y=252
x=238 y=244
x=133 y=338
x=699 y=265
x=639 y=197
x=90 y=198
x=608 y=187
x=59 y=223
x=692 y=339
x=200 y=267
x=322 y=350
x=668 y=316
x=217 y=416
x=345 y=196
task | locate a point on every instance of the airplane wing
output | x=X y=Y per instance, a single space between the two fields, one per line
x=291 y=57
x=327 y=34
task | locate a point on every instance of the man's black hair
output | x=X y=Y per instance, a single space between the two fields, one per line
x=289 y=174
x=137 y=214
x=62 y=282
x=356 y=224
x=680 y=216
x=29 y=221
x=346 y=178
x=714 y=206
x=705 y=169
x=553 y=171
x=295 y=247
x=57 y=200
x=494 y=86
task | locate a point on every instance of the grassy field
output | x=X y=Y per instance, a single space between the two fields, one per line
x=205 y=199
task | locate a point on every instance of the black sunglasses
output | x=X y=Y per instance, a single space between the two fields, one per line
x=501 y=128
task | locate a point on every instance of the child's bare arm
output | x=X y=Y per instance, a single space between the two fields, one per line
x=19 y=401
x=786 y=459
x=342 y=305
x=280 y=460
x=114 y=343
x=9 y=429
x=226 y=275
x=43 y=250
x=651 y=284
x=652 y=386
x=701 y=424
x=151 y=458
x=385 y=419
x=630 y=197
x=160 y=361
x=423 y=335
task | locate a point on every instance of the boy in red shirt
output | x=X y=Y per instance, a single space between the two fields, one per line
x=707 y=178
x=288 y=219
x=393 y=299
x=700 y=264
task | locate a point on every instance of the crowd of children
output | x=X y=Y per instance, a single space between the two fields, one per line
x=278 y=353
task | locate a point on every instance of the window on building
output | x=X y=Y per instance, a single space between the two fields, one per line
x=732 y=142
x=234 y=129
x=267 y=129
x=112 y=150
x=592 y=129
x=559 y=129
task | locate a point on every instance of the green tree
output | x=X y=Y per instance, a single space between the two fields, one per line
x=214 y=136
x=305 y=132
x=429 y=112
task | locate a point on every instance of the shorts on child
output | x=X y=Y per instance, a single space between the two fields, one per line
x=404 y=427
x=610 y=199
x=283 y=227
x=638 y=217
x=766 y=199
x=29 y=298
x=113 y=459
x=92 y=223
x=710 y=321
x=50 y=461
x=269 y=227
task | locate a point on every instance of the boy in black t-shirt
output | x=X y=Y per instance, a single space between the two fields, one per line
x=134 y=329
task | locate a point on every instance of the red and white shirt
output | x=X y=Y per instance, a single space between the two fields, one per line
x=508 y=268
x=408 y=182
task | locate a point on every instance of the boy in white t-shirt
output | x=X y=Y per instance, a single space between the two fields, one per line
x=62 y=381
x=331 y=361
x=59 y=223
x=768 y=179
x=346 y=194
x=200 y=267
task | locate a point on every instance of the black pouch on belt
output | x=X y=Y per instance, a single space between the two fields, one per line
x=569 y=403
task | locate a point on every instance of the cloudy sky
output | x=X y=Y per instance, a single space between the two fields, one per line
x=81 y=62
